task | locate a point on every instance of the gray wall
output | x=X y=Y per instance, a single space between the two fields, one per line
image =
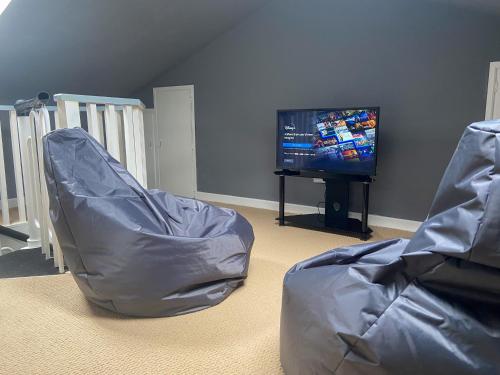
x=7 y=152
x=425 y=64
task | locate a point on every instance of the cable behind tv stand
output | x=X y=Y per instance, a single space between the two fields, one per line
x=336 y=218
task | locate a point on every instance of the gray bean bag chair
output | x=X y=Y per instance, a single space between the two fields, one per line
x=430 y=305
x=134 y=251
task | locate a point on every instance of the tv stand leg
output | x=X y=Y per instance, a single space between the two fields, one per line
x=364 y=214
x=282 y=201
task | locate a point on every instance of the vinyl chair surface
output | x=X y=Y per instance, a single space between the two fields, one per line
x=135 y=251
x=430 y=305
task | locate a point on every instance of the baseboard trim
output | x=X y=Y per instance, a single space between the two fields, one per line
x=375 y=220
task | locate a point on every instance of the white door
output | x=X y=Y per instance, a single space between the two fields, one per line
x=493 y=100
x=149 y=137
x=176 y=152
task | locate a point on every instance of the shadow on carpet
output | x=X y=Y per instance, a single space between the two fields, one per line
x=24 y=263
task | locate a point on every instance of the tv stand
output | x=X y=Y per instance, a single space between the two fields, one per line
x=336 y=218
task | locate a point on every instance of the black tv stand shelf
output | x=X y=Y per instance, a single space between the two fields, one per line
x=335 y=219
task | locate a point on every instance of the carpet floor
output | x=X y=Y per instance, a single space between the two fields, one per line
x=47 y=327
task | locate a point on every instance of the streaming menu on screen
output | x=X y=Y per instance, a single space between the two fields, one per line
x=342 y=140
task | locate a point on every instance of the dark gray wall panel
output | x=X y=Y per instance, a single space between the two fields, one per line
x=7 y=153
x=424 y=63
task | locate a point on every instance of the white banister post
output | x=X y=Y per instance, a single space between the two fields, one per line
x=16 y=157
x=51 y=233
x=25 y=142
x=140 y=146
x=493 y=96
x=128 y=129
x=112 y=131
x=58 y=255
x=33 y=166
x=56 y=120
x=100 y=119
x=94 y=123
x=38 y=123
x=69 y=114
x=3 y=185
x=43 y=129
x=121 y=139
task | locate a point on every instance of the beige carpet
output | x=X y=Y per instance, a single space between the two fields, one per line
x=47 y=327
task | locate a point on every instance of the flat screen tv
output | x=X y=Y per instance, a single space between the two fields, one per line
x=337 y=140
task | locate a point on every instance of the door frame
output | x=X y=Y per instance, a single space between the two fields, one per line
x=193 y=131
x=493 y=89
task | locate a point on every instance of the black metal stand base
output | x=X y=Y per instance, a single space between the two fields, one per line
x=351 y=228
x=335 y=219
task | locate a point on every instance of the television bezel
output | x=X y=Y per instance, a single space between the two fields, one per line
x=333 y=109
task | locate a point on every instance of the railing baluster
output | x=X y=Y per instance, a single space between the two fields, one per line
x=130 y=148
x=140 y=146
x=58 y=255
x=3 y=185
x=56 y=120
x=25 y=142
x=112 y=131
x=69 y=114
x=39 y=129
x=16 y=157
x=94 y=123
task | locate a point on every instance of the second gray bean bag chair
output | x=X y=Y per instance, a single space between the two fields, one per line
x=134 y=251
x=430 y=305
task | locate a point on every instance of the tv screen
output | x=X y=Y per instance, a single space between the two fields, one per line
x=342 y=141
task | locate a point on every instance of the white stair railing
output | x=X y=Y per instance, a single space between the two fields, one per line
x=117 y=123
x=123 y=130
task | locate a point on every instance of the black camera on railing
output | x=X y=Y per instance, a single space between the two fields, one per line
x=24 y=107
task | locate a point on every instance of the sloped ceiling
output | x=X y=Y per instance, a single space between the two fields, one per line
x=104 y=47
x=114 y=47
x=491 y=6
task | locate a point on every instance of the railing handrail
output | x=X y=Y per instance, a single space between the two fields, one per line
x=53 y=108
x=90 y=99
